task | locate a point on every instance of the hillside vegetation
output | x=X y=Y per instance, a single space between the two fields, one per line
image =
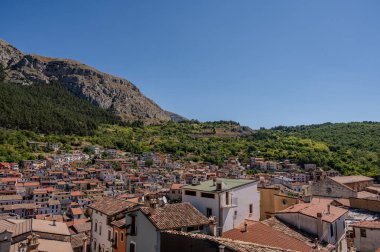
x=49 y=109
x=351 y=148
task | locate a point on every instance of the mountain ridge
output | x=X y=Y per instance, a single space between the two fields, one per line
x=101 y=89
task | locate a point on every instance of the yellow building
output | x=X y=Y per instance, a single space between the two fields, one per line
x=272 y=199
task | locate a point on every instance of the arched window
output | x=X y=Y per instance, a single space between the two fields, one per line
x=100 y=228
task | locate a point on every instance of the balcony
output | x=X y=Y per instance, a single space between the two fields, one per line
x=228 y=203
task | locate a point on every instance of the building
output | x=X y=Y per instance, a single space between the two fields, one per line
x=324 y=221
x=366 y=235
x=230 y=201
x=105 y=210
x=147 y=223
x=34 y=235
x=120 y=235
x=329 y=187
x=274 y=199
x=357 y=182
x=175 y=193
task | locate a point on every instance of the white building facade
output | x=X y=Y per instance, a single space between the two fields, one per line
x=230 y=201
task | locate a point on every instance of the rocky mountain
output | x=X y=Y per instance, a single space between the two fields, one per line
x=101 y=89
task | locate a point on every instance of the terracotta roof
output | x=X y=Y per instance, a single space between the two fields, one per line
x=77 y=240
x=364 y=194
x=76 y=211
x=176 y=186
x=312 y=210
x=351 y=179
x=262 y=234
x=82 y=227
x=172 y=216
x=77 y=193
x=44 y=226
x=10 y=197
x=111 y=206
x=289 y=230
x=20 y=206
x=233 y=245
x=367 y=224
x=119 y=223
x=54 y=245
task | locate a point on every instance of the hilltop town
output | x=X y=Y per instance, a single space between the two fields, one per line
x=113 y=201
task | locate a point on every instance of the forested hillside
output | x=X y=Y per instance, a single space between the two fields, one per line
x=350 y=148
x=49 y=109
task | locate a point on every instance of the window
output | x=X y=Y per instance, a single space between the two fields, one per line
x=132 y=247
x=331 y=230
x=109 y=235
x=133 y=225
x=94 y=245
x=115 y=242
x=122 y=236
x=363 y=232
x=235 y=213
x=219 y=186
x=191 y=193
x=208 y=195
x=96 y=226
x=100 y=229
x=284 y=201
x=208 y=212
x=227 y=198
x=250 y=208
x=194 y=228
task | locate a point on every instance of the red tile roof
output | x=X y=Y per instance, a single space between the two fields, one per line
x=172 y=216
x=176 y=186
x=367 y=224
x=264 y=235
x=312 y=210
x=76 y=211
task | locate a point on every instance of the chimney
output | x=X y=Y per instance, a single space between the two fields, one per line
x=328 y=209
x=245 y=229
x=53 y=222
x=221 y=248
x=319 y=226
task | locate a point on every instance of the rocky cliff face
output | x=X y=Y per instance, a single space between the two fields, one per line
x=101 y=89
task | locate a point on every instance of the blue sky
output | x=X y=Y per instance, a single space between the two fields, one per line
x=262 y=63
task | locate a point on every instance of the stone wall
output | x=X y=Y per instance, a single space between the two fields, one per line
x=330 y=188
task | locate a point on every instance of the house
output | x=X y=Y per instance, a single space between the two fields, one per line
x=35 y=235
x=230 y=201
x=324 y=221
x=147 y=223
x=120 y=235
x=357 y=182
x=75 y=213
x=10 y=199
x=329 y=187
x=105 y=210
x=175 y=193
x=366 y=235
x=276 y=198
